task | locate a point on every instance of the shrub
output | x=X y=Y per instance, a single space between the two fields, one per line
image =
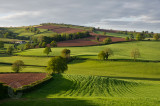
x=127 y=38
x=156 y=36
x=65 y=53
x=103 y=55
x=107 y=40
x=47 y=50
x=17 y=66
x=3 y=91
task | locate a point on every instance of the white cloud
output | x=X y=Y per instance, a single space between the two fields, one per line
x=121 y=13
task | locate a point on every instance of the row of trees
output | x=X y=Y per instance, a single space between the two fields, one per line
x=56 y=64
x=33 y=29
x=59 y=37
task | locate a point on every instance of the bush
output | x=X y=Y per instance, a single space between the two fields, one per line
x=127 y=38
x=3 y=91
x=103 y=55
x=156 y=36
x=18 y=66
x=107 y=40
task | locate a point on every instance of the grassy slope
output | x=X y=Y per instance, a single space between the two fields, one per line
x=120 y=69
x=72 y=89
x=21 y=32
x=149 y=50
x=88 y=90
x=112 y=34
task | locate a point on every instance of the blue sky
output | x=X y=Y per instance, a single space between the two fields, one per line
x=108 y=14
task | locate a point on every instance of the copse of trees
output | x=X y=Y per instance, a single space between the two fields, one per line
x=127 y=38
x=1 y=44
x=134 y=34
x=17 y=66
x=10 y=50
x=107 y=40
x=105 y=54
x=53 y=44
x=156 y=36
x=139 y=37
x=32 y=29
x=57 y=65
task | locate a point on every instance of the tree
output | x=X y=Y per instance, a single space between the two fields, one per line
x=10 y=50
x=127 y=38
x=65 y=53
x=103 y=55
x=17 y=66
x=131 y=36
x=54 y=43
x=139 y=37
x=104 y=33
x=44 y=44
x=156 y=36
x=47 y=50
x=97 y=38
x=57 y=65
x=107 y=40
x=1 y=44
x=135 y=53
x=27 y=46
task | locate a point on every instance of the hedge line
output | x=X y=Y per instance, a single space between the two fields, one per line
x=3 y=91
x=34 y=85
x=23 y=89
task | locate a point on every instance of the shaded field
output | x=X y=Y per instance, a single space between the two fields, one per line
x=84 y=86
x=16 y=80
x=149 y=50
x=91 y=91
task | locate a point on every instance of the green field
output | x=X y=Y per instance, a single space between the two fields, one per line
x=21 y=32
x=92 y=90
x=112 y=34
x=91 y=82
x=149 y=50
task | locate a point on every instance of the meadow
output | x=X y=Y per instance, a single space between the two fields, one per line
x=92 y=82
x=91 y=91
x=148 y=49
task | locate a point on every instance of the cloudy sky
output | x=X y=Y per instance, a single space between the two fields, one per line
x=109 y=14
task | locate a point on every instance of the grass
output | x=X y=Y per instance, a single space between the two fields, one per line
x=41 y=61
x=149 y=50
x=8 y=68
x=93 y=82
x=10 y=40
x=112 y=34
x=115 y=69
x=21 y=32
x=91 y=90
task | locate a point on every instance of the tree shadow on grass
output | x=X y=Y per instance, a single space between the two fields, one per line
x=49 y=102
x=57 y=85
x=77 y=61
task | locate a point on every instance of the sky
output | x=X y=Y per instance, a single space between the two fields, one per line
x=131 y=15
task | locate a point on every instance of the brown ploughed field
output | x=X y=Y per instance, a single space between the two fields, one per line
x=58 y=29
x=16 y=80
x=89 y=41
